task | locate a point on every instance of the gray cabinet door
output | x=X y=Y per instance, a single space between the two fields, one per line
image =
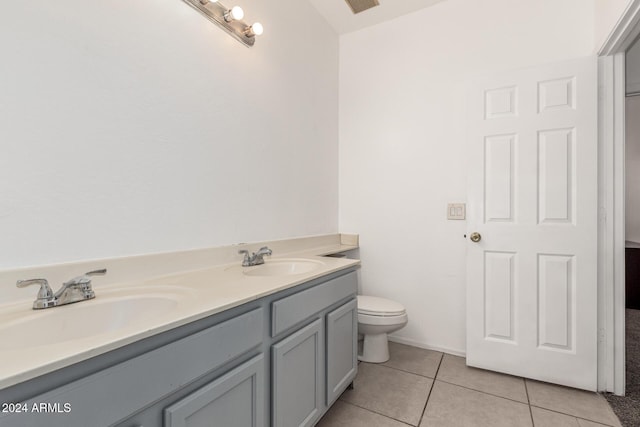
x=297 y=377
x=342 y=349
x=234 y=400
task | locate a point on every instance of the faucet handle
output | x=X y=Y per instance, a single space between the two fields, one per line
x=100 y=272
x=85 y=279
x=45 y=291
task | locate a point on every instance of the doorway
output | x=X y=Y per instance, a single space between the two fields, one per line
x=628 y=408
x=619 y=229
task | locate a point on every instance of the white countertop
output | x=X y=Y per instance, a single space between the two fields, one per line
x=200 y=293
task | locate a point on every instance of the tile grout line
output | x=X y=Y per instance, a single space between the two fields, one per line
x=377 y=413
x=526 y=390
x=484 y=392
x=382 y=365
x=433 y=384
x=411 y=372
x=571 y=415
x=591 y=421
x=556 y=411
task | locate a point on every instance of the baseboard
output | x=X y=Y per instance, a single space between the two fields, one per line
x=414 y=343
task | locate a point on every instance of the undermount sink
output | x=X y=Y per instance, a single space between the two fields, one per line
x=283 y=267
x=109 y=312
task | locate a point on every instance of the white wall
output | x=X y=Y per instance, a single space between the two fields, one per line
x=632 y=165
x=139 y=126
x=402 y=141
x=607 y=14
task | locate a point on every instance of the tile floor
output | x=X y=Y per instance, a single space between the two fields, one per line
x=426 y=388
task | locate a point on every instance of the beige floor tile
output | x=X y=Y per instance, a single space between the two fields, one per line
x=585 y=423
x=413 y=359
x=544 y=418
x=454 y=370
x=579 y=403
x=454 y=406
x=344 y=414
x=389 y=392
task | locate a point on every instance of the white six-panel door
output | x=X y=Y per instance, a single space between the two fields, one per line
x=531 y=279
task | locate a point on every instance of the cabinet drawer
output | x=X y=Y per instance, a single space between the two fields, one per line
x=293 y=309
x=112 y=394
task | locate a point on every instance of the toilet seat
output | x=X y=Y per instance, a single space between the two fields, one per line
x=367 y=319
x=379 y=307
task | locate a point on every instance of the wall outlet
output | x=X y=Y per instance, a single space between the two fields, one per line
x=456 y=211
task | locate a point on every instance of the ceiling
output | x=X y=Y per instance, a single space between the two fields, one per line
x=340 y=17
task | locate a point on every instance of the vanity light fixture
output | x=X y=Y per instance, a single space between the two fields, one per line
x=229 y=20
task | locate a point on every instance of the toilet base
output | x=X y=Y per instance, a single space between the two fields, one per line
x=375 y=348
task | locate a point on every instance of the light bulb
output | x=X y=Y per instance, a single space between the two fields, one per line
x=257 y=29
x=236 y=12
x=254 y=30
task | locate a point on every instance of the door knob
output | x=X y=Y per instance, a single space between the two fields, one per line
x=475 y=237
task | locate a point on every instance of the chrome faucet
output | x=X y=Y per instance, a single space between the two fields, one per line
x=74 y=290
x=256 y=258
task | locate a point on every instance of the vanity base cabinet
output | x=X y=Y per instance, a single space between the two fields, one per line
x=115 y=393
x=234 y=400
x=297 y=378
x=342 y=349
x=314 y=364
x=278 y=361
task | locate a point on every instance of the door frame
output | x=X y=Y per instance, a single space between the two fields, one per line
x=611 y=196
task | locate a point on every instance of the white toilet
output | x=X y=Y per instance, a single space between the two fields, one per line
x=376 y=318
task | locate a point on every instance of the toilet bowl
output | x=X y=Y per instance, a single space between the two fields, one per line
x=378 y=317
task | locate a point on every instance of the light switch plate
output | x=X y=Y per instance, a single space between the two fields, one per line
x=456 y=211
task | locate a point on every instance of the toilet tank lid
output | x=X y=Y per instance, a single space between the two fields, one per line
x=379 y=306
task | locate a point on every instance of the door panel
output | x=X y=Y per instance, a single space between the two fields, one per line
x=499 y=290
x=499 y=156
x=531 y=279
x=556 y=174
x=556 y=292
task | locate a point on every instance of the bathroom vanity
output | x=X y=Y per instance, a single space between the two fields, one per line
x=281 y=359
